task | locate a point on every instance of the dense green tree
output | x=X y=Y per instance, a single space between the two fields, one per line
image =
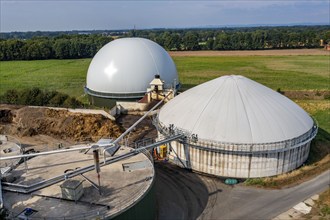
x=62 y=49
x=172 y=41
x=209 y=44
x=221 y=42
x=190 y=41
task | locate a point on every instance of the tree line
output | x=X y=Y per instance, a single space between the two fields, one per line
x=71 y=46
x=60 y=47
x=254 y=38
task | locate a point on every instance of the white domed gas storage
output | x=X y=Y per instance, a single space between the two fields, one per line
x=237 y=127
x=123 y=69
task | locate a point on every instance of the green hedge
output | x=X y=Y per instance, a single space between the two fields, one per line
x=38 y=97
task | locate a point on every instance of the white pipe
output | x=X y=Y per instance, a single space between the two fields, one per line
x=1 y=199
x=51 y=152
x=43 y=153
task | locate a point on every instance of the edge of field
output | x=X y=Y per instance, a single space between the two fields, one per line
x=284 y=52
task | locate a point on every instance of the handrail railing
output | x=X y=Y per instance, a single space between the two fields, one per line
x=248 y=147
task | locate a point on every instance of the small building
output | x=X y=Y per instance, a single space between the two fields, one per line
x=157 y=84
x=157 y=90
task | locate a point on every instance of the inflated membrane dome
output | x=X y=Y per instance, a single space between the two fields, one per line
x=128 y=65
x=236 y=109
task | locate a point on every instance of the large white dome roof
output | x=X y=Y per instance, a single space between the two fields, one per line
x=236 y=109
x=128 y=65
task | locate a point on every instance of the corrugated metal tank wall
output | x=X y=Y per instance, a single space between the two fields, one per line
x=238 y=165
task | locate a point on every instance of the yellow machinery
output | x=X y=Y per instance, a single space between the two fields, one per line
x=162 y=151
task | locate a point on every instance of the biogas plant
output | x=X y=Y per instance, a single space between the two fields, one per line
x=228 y=127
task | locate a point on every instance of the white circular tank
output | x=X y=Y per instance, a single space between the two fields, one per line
x=126 y=67
x=237 y=127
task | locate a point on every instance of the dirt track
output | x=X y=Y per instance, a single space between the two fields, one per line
x=211 y=53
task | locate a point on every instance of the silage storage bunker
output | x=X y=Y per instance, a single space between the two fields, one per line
x=236 y=127
x=123 y=69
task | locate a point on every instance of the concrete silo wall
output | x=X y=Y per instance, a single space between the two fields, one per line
x=144 y=209
x=235 y=164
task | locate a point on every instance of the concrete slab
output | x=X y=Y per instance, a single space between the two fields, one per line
x=290 y=214
x=120 y=189
x=309 y=202
x=315 y=197
x=302 y=207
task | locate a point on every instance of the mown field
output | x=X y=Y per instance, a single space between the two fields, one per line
x=66 y=76
x=284 y=72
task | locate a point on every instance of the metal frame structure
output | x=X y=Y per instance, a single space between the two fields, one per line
x=240 y=148
x=30 y=188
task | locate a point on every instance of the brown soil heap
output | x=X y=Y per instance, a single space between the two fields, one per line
x=30 y=121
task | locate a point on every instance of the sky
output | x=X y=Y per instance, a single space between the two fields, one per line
x=66 y=15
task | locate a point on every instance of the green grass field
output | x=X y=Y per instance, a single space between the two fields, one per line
x=69 y=76
x=285 y=72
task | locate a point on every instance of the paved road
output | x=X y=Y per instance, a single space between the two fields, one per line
x=249 y=203
x=185 y=194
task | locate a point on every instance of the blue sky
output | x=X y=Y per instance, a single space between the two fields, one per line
x=45 y=15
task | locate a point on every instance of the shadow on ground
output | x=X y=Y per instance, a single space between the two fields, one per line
x=180 y=194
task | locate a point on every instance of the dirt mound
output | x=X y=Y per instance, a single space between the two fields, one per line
x=30 y=121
